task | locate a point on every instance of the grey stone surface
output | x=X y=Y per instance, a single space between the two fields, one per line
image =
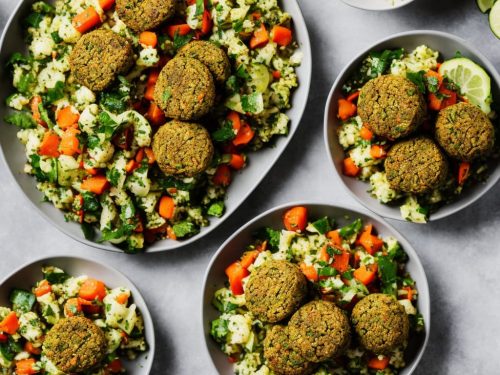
x=461 y=254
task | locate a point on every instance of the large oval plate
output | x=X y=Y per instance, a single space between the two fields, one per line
x=232 y=249
x=244 y=183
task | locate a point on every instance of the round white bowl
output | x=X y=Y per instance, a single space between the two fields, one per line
x=232 y=249
x=261 y=162
x=447 y=45
x=377 y=4
x=27 y=275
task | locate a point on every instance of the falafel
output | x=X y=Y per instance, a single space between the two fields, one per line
x=75 y=344
x=320 y=331
x=391 y=106
x=281 y=357
x=141 y=15
x=465 y=132
x=275 y=290
x=212 y=56
x=185 y=89
x=381 y=323
x=99 y=57
x=416 y=166
x=182 y=148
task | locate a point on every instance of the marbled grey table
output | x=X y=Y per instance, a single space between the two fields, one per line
x=461 y=254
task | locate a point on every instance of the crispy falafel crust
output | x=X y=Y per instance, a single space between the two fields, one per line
x=142 y=15
x=381 y=323
x=99 y=57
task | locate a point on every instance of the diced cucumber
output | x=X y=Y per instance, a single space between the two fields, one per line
x=260 y=77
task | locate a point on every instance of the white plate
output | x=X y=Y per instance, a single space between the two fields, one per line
x=234 y=247
x=378 y=4
x=447 y=45
x=27 y=275
x=244 y=183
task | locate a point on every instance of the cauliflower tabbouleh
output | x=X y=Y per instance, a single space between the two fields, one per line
x=379 y=133
x=69 y=324
x=90 y=148
x=341 y=266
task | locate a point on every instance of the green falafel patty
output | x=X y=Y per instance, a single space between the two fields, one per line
x=142 y=15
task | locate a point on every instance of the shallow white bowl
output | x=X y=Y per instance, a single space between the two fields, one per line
x=233 y=248
x=378 y=4
x=244 y=183
x=447 y=45
x=27 y=275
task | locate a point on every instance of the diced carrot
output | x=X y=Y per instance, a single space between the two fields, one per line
x=9 y=324
x=115 y=366
x=28 y=347
x=371 y=243
x=69 y=142
x=122 y=298
x=366 y=274
x=351 y=98
x=106 y=4
x=50 y=145
x=155 y=115
x=378 y=364
x=244 y=136
x=171 y=233
x=260 y=37
x=91 y=171
x=463 y=172
x=149 y=94
x=140 y=155
x=334 y=236
x=409 y=292
x=346 y=109
x=323 y=255
x=450 y=97
x=276 y=74
x=236 y=273
x=148 y=38
x=153 y=76
x=166 y=207
x=281 y=35
x=72 y=307
x=234 y=117
x=150 y=155
x=378 y=152
x=86 y=20
x=350 y=168
x=309 y=272
x=182 y=30
x=222 y=176
x=35 y=101
x=131 y=165
x=95 y=184
x=26 y=367
x=434 y=103
x=43 y=288
x=249 y=257
x=67 y=117
x=295 y=219
x=366 y=133
x=341 y=261
x=237 y=161
x=206 y=23
x=92 y=289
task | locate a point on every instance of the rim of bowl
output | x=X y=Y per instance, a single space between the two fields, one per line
x=136 y=294
x=413 y=255
x=377 y=8
x=482 y=60
x=305 y=47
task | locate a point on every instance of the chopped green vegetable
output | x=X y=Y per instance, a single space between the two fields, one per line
x=22 y=300
x=56 y=277
x=23 y=120
x=351 y=229
x=225 y=133
x=216 y=209
x=219 y=330
x=322 y=225
x=271 y=236
x=185 y=229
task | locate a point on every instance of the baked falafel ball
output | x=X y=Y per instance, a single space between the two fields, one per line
x=319 y=331
x=280 y=354
x=416 y=165
x=465 y=132
x=212 y=56
x=381 y=323
x=141 y=15
x=182 y=148
x=275 y=290
x=99 y=57
x=391 y=106
x=75 y=344
x=185 y=89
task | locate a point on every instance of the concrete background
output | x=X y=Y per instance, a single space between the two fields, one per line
x=461 y=254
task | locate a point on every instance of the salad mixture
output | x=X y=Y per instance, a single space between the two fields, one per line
x=290 y=277
x=418 y=130
x=69 y=324
x=88 y=107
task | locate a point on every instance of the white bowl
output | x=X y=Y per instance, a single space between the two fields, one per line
x=232 y=249
x=27 y=275
x=377 y=4
x=447 y=45
x=244 y=183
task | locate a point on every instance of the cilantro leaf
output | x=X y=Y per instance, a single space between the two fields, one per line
x=225 y=133
x=23 y=120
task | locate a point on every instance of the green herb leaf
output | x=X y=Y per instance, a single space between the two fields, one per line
x=22 y=300
x=271 y=236
x=327 y=271
x=181 y=40
x=23 y=120
x=322 y=225
x=34 y=20
x=55 y=37
x=55 y=93
x=219 y=330
x=200 y=7
x=88 y=231
x=18 y=58
x=56 y=277
x=44 y=115
x=225 y=133
x=351 y=229
x=388 y=274
x=418 y=79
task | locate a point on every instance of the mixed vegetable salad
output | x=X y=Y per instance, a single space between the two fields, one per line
x=443 y=84
x=342 y=264
x=25 y=324
x=90 y=152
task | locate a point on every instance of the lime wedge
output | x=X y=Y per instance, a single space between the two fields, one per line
x=260 y=77
x=485 y=5
x=474 y=82
x=495 y=19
